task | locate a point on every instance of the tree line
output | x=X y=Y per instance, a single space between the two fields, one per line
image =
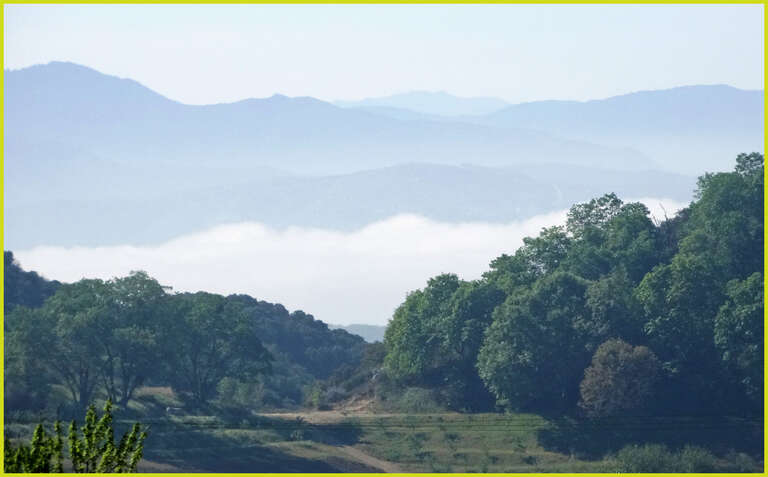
x=612 y=313
x=107 y=338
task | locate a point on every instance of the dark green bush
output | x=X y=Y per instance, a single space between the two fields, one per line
x=696 y=459
x=645 y=458
x=654 y=458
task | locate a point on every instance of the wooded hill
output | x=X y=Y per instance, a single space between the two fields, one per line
x=611 y=314
x=96 y=338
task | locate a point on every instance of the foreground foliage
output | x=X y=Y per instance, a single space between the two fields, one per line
x=92 y=449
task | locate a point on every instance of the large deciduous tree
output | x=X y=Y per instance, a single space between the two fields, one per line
x=534 y=352
x=93 y=333
x=620 y=380
x=209 y=338
x=129 y=334
x=739 y=328
x=68 y=328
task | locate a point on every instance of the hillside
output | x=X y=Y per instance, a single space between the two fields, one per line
x=611 y=314
x=302 y=349
x=63 y=105
x=688 y=129
x=79 y=145
x=450 y=194
x=23 y=288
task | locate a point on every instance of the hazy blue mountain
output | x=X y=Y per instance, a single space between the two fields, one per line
x=92 y=159
x=64 y=116
x=370 y=333
x=342 y=202
x=689 y=129
x=437 y=103
x=404 y=114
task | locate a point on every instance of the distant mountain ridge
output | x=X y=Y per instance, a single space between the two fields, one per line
x=347 y=202
x=65 y=106
x=437 y=103
x=687 y=129
x=92 y=159
x=370 y=333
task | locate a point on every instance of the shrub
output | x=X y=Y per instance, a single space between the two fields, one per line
x=741 y=462
x=654 y=458
x=315 y=398
x=696 y=459
x=95 y=451
x=416 y=400
x=646 y=458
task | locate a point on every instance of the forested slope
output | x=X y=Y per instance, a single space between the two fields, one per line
x=611 y=314
x=95 y=339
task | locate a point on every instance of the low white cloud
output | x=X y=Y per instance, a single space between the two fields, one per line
x=339 y=277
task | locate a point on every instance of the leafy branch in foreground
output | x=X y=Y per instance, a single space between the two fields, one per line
x=91 y=449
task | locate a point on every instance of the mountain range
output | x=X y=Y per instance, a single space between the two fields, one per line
x=688 y=129
x=341 y=202
x=370 y=333
x=65 y=109
x=92 y=159
x=438 y=103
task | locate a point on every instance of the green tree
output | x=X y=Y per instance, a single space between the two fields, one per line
x=620 y=379
x=510 y=273
x=610 y=234
x=614 y=311
x=722 y=241
x=592 y=215
x=533 y=354
x=434 y=336
x=739 y=327
x=66 y=339
x=128 y=334
x=27 y=378
x=545 y=252
x=413 y=336
x=729 y=212
x=461 y=330
x=208 y=338
x=631 y=239
x=92 y=333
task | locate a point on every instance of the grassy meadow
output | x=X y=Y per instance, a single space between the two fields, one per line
x=339 y=440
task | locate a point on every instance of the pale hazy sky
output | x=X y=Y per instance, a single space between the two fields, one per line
x=206 y=54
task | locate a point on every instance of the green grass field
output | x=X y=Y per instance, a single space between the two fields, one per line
x=363 y=441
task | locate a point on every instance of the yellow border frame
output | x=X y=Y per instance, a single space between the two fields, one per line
x=388 y=2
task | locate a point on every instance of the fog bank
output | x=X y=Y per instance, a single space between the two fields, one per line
x=339 y=277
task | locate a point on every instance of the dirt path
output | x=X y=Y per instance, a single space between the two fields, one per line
x=336 y=416
x=360 y=456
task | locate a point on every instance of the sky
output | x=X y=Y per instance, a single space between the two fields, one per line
x=339 y=277
x=202 y=54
